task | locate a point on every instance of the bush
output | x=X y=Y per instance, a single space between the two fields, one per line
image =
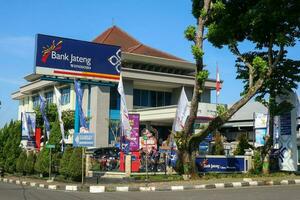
x=242 y=145
x=20 y=162
x=42 y=162
x=74 y=166
x=29 y=164
x=218 y=148
x=64 y=162
x=10 y=145
x=257 y=163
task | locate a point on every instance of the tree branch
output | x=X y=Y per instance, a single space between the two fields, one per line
x=234 y=49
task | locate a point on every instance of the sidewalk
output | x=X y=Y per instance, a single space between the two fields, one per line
x=154 y=186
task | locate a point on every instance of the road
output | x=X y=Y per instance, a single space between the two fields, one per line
x=290 y=192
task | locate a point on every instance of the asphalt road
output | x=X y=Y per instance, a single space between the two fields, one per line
x=290 y=192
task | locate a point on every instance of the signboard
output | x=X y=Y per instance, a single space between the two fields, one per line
x=221 y=164
x=287 y=139
x=134 y=120
x=50 y=146
x=260 y=135
x=203 y=147
x=260 y=120
x=84 y=140
x=150 y=141
x=58 y=56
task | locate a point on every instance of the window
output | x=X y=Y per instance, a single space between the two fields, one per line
x=146 y=98
x=114 y=99
x=49 y=97
x=35 y=101
x=65 y=96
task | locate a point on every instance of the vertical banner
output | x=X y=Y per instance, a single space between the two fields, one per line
x=288 y=135
x=59 y=111
x=260 y=128
x=124 y=119
x=182 y=112
x=28 y=128
x=79 y=93
x=43 y=111
x=134 y=120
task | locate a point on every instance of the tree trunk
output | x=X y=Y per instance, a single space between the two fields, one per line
x=198 y=86
x=221 y=119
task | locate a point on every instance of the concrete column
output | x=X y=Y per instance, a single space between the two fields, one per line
x=99 y=123
x=128 y=89
x=128 y=165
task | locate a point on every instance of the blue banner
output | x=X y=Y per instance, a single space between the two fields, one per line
x=74 y=58
x=42 y=109
x=79 y=94
x=220 y=164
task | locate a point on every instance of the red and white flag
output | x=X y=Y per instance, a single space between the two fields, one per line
x=218 y=82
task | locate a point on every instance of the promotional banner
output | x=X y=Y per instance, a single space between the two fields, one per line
x=260 y=128
x=260 y=120
x=287 y=140
x=221 y=164
x=59 y=111
x=28 y=125
x=134 y=120
x=79 y=93
x=147 y=141
x=124 y=120
x=43 y=104
x=59 y=56
x=260 y=135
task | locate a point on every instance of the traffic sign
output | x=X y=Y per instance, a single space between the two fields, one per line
x=50 y=146
x=84 y=140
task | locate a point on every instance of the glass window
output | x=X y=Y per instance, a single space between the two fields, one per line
x=114 y=99
x=167 y=98
x=160 y=98
x=144 y=98
x=153 y=98
x=136 y=97
x=35 y=101
x=65 y=96
x=49 y=97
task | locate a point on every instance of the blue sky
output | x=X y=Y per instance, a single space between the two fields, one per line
x=157 y=23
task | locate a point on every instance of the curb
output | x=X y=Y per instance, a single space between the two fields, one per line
x=101 y=189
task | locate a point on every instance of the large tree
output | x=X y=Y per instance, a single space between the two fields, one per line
x=269 y=26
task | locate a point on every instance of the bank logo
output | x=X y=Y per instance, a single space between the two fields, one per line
x=49 y=49
x=115 y=60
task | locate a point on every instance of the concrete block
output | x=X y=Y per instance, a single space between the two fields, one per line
x=97 y=189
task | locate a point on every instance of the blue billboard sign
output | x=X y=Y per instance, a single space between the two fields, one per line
x=56 y=56
x=220 y=164
x=84 y=140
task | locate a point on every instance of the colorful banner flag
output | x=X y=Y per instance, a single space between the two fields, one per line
x=182 y=112
x=59 y=111
x=125 y=125
x=134 y=135
x=218 y=82
x=43 y=104
x=79 y=94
